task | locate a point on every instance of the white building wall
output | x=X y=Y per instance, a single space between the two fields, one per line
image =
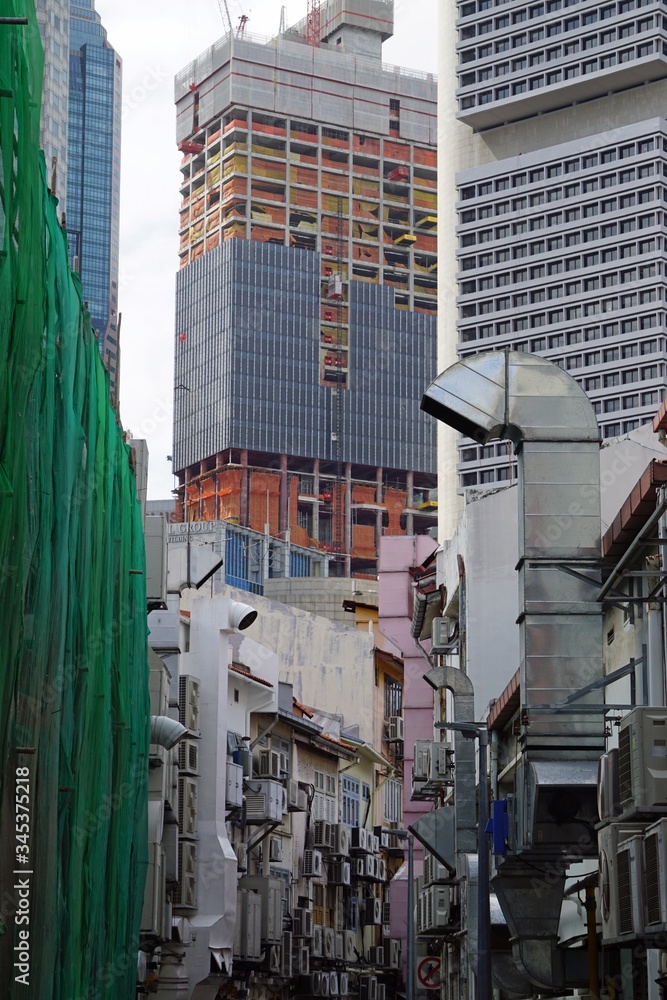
x=208 y=659
x=328 y=664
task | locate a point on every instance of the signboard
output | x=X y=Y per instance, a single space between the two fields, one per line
x=429 y=973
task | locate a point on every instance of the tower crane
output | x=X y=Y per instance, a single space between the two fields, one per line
x=225 y=15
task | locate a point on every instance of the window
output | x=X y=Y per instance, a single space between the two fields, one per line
x=324 y=800
x=350 y=800
x=393 y=698
x=393 y=801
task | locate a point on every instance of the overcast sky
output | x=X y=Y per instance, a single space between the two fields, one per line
x=155 y=39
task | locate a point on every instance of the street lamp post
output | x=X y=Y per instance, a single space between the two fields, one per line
x=410 y=975
x=479 y=731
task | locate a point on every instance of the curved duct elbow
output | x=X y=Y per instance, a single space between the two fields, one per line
x=538 y=406
x=166 y=732
x=511 y=396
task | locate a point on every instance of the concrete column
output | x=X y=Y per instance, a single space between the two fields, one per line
x=284 y=495
x=378 y=499
x=244 y=488
x=316 y=491
x=348 y=517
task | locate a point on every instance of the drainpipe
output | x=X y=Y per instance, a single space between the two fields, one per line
x=592 y=936
x=656 y=630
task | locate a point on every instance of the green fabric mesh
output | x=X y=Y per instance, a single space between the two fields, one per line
x=73 y=649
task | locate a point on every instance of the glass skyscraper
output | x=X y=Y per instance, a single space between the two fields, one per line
x=93 y=173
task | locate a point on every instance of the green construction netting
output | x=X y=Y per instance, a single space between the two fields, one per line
x=74 y=703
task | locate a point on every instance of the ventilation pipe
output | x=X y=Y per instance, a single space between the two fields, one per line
x=541 y=409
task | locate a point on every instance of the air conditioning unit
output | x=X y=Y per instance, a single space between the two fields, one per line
x=312 y=864
x=367 y=988
x=234 y=793
x=316 y=942
x=329 y=942
x=300 y=961
x=275 y=959
x=340 y=873
x=188 y=702
x=381 y=870
x=286 y=954
x=642 y=764
x=441 y=762
x=270 y=891
x=373 y=911
x=333 y=984
x=395 y=728
x=655 y=856
x=349 y=946
x=358 y=839
x=187 y=807
x=609 y=789
x=392 y=954
x=303 y=922
x=152 y=917
x=275 y=849
x=185 y=893
x=264 y=802
x=302 y=800
x=241 y=851
x=396 y=844
x=295 y=797
x=325 y=984
x=386 y=913
x=343 y=984
x=322 y=833
x=269 y=764
x=435 y=903
x=621 y=901
x=339 y=947
x=188 y=757
x=422 y=760
x=441 y=629
x=376 y=955
x=383 y=837
x=434 y=870
x=247 y=937
x=340 y=839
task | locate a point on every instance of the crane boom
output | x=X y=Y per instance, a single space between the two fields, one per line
x=225 y=15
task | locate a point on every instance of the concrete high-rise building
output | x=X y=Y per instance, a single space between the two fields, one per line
x=93 y=175
x=306 y=298
x=553 y=222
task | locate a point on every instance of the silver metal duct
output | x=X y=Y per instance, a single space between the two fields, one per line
x=542 y=410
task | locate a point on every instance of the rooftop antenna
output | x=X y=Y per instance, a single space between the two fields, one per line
x=283 y=21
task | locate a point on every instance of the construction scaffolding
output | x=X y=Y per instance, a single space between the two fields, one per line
x=74 y=705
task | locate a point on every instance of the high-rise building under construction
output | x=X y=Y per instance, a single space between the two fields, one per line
x=306 y=296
